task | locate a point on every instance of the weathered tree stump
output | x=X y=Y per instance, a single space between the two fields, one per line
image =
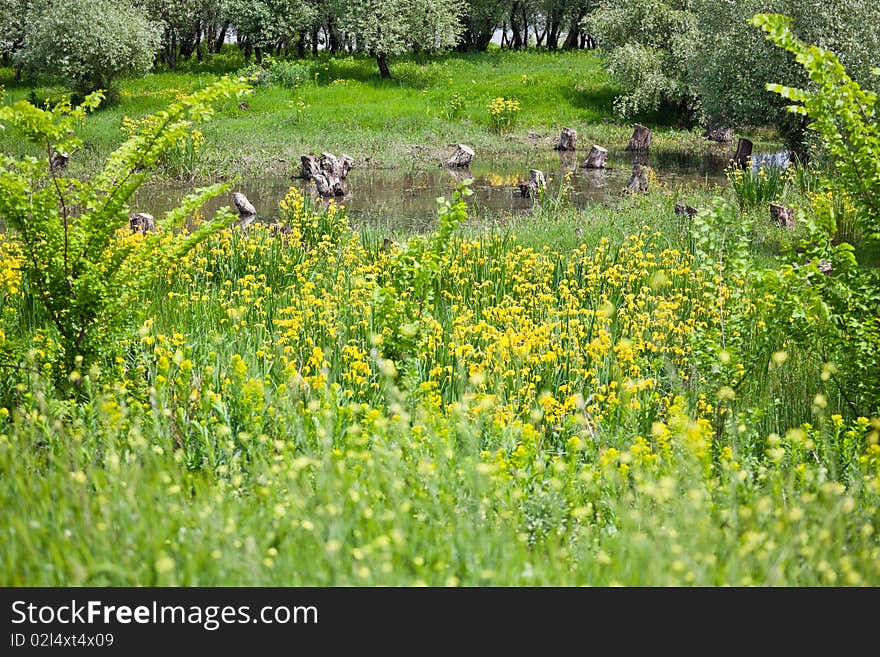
x=638 y=180
x=141 y=222
x=327 y=171
x=244 y=106
x=783 y=215
x=462 y=157
x=743 y=153
x=245 y=208
x=567 y=140
x=596 y=158
x=641 y=138
x=536 y=181
x=825 y=267
x=686 y=209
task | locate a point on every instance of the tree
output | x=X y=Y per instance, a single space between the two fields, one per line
x=268 y=24
x=13 y=27
x=649 y=44
x=480 y=19
x=80 y=271
x=89 y=43
x=385 y=28
x=186 y=26
x=733 y=64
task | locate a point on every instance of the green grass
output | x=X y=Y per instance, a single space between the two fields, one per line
x=382 y=123
x=218 y=451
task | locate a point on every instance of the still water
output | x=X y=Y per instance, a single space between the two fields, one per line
x=407 y=198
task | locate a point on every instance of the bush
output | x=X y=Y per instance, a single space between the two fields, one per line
x=648 y=45
x=730 y=69
x=90 y=43
x=80 y=266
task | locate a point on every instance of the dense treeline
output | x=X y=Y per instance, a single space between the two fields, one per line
x=198 y=28
x=698 y=57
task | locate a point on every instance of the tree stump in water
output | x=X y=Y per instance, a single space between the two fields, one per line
x=638 y=180
x=596 y=158
x=567 y=140
x=245 y=208
x=327 y=171
x=141 y=222
x=462 y=157
x=721 y=135
x=743 y=153
x=783 y=215
x=641 y=138
x=536 y=181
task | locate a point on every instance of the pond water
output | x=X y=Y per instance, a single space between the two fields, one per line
x=406 y=198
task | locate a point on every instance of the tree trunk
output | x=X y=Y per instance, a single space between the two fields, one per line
x=783 y=215
x=641 y=139
x=567 y=140
x=553 y=35
x=382 y=61
x=461 y=157
x=221 y=38
x=743 y=153
x=638 y=180
x=686 y=210
x=141 y=222
x=596 y=158
x=333 y=37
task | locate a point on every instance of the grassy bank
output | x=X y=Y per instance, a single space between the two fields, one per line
x=343 y=105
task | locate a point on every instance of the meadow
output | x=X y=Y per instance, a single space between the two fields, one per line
x=610 y=395
x=340 y=104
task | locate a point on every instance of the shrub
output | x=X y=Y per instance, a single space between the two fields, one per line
x=78 y=265
x=734 y=63
x=648 y=45
x=90 y=43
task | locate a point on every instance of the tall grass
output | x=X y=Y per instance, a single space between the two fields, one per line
x=290 y=413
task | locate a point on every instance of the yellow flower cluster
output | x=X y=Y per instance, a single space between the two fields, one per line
x=502 y=113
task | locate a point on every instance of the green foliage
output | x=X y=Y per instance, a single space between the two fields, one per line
x=454 y=106
x=733 y=63
x=846 y=116
x=406 y=299
x=386 y=28
x=265 y=23
x=757 y=188
x=649 y=45
x=89 y=43
x=78 y=265
x=841 y=311
x=823 y=302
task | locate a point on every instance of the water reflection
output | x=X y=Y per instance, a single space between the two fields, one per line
x=406 y=198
